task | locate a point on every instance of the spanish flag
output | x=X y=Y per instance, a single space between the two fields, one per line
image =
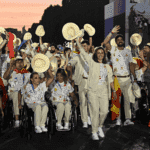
x=76 y=52
x=5 y=96
x=139 y=62
x=115 y=103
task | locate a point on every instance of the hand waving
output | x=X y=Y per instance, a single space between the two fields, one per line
x=116 y=29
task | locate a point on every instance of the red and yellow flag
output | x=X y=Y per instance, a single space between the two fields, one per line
x=5 y=96
x=139 y=62
x=115 y=103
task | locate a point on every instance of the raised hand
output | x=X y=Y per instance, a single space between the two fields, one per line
x=7 y=35
x=115 y=29
x=141 y=54
x=102 y=44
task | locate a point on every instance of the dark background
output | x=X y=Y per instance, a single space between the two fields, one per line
x=79 y=12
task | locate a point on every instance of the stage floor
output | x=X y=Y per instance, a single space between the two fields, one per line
x=135 y=137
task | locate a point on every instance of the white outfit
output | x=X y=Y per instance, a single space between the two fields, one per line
x=35 y=100
x=48 y=54
x=16 y=82
x=60 y=98
x=120 y=63
x=99 y=79
x=60 y=92
x=36 y=95
x=81 y=70
x=4 y=65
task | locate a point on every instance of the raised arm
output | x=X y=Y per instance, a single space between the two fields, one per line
x=40 y=40
x=73 y=61
x=67 y=60
x=9 y=70
x=50 y=80
x=85 y=55
x=107 y=39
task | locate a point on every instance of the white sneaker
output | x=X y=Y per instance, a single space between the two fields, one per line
x=100 y=132
x=118 y=123
x=89 y=120
x=95 y=136
x=85 y=125
x=17 y=124
x=66 y=127
x=44 y=129
x=128 y=122
x=60 y=127
x=38 y=129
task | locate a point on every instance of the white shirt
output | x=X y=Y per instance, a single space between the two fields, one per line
x=103 y=74
x=120 y=61
x=86 y=67
x=139 y=75
x=60 y=92
x=17 y=81
x=36 y=95
x=48 y=54
x=5 y=64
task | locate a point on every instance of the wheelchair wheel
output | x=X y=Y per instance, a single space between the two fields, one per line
x=50 y=124
x=74 y=119
x=49 y=136
x=24 y=123
x=10 y=114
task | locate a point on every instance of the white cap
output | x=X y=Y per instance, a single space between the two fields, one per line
x=22 y=50
x=18 y=57
x=57 y=55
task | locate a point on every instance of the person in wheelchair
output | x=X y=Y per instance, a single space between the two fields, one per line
x=60 y=98
x=34 y=93
x=17 y=76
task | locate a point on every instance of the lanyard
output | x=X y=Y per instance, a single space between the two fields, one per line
x=59 y=85
x=32 y=87
x=23 y=78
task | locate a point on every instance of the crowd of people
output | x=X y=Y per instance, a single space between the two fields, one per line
x=97 y=74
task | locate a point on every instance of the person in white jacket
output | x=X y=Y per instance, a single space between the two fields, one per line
x=100 y=80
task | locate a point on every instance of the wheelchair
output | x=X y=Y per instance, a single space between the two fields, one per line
x=8 y=120
x=27 y=122
x=53 y=119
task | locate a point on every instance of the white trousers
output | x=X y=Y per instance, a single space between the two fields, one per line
x=14 y=97
x=40 y=113
x=98 y=106
x=61 y=108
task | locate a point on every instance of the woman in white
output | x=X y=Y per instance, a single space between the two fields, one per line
x=34 y=93
x=99 y=82
x=60 y=98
